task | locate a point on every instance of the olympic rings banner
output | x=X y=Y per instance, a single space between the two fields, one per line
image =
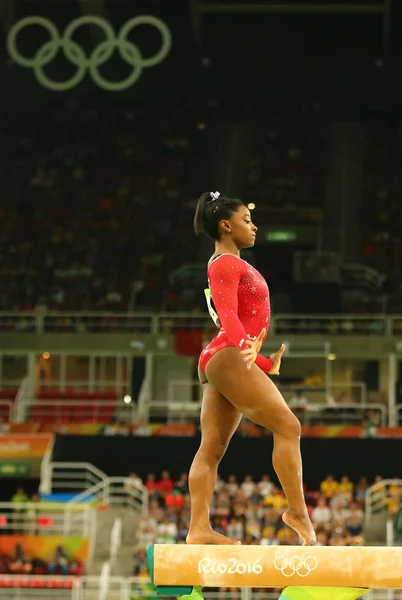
x=77 y=56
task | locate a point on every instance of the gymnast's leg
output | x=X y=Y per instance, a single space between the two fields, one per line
x=255 y=395
x=219 y=421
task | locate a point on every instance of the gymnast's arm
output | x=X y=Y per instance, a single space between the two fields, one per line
x=224 y=278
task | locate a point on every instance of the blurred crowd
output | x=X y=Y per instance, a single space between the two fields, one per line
x=381 y=210
x=288 y=160
x=28 y=518
x=98 y=200
x=21 y=562
x=83 y=187
x=251 y=511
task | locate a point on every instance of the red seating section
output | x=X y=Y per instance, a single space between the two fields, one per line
x=6 y=396
x=82 y=411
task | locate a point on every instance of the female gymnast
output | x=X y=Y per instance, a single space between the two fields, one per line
x=232 y=372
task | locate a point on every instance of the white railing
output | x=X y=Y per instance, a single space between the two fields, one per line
x=104 y=581
x=73 y=476
x=378 y=495
x=115 y=541
x=116 y=588
x=184 y=409
x=82 y=385
x=92 y=484
x=45 y=486
x=344 y=413
x=147 y=322
x=24 y=587
x=113 y=491
x=36 y=518
x=26 y=387
x=390 y=532
x=144 y=399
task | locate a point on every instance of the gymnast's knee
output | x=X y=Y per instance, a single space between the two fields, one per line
x=213 y=450
x=290 y=427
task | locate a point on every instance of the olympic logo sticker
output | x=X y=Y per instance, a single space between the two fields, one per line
x=295 y=565
x=73 y=52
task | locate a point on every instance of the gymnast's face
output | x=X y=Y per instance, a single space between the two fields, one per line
x=241 y=228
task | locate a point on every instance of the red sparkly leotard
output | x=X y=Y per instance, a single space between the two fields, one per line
x=241 y=300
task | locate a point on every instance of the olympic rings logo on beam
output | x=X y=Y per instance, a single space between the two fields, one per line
x=128 y=51
x=295 y=565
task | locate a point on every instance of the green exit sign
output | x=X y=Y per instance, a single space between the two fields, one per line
x=281 y=236
x=12 y=469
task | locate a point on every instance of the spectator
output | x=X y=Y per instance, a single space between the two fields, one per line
x=223 y=503
x=133 y=484
x=219 y=484
x=59 y=562
x=20 y=563
x=182 y=484
x=380 y=486
x=248 y=485
x=369 y=426
x=268 y=537
x=111 y=428
x=287 y=537
x=147 y=532
x=151 y=484
x=361 y=489
x=270 y=516
x=235 y=529
x=355 y=510
x=321 y=515
x=232 y=485
x=299 y=403
x=253 y=519
x=313 y=380
x=19 y=499
x=345 y=487
x=354 y=527
x=276 y=499
x=322 y=538
x=182 y=530
x=165 y=485
x=140 y=561
x=256 y=496
x=265 y=486
x=155 y=511
x=174 y=500
x=329 y=486
x=123 y=429
x=398 y=525
x=166 y=532
x=32 y=514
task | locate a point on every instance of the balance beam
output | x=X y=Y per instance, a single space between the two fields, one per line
x=183 y=566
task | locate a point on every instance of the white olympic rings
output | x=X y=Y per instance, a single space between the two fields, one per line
x=295 y=565
x=77 y=56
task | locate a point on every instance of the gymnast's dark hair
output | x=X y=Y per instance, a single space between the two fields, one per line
x=213 y=207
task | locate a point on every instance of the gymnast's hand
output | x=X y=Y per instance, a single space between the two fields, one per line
x=254 y=346
x=276 y=361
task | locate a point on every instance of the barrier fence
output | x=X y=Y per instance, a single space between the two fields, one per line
x=19 y=587
x=147 y=323
x=43 y=518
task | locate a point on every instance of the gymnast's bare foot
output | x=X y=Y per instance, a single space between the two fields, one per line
x=209 y=536
x=302 y=526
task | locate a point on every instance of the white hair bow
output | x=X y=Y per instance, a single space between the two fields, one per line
x=214 y=195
